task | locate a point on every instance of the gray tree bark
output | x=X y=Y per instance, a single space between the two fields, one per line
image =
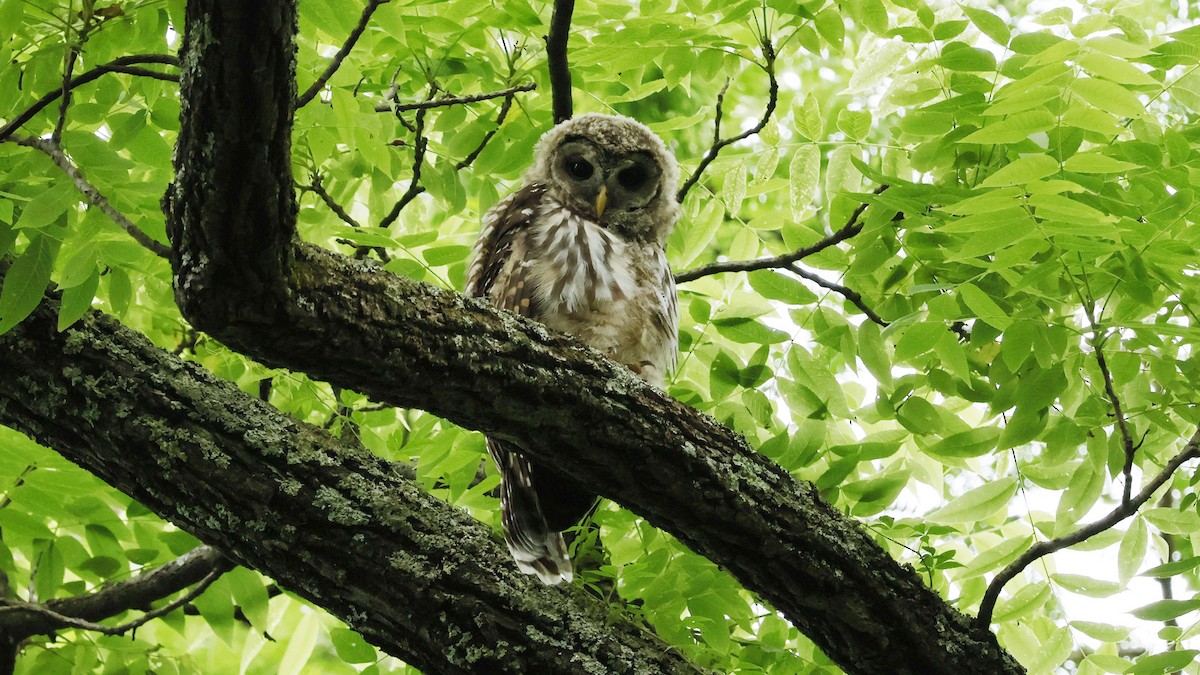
x=240 y=276
x=324 y=518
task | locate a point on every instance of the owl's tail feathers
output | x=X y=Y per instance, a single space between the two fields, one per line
x=536 y=548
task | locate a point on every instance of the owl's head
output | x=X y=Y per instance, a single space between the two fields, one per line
x=611 y=169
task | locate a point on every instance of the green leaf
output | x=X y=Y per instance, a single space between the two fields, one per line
x=807 y=119
x=983 y=307
x=963 y=57
x=1030 y=598
x=1165 y=610
x=854 y=123
x=1109 y=96
x=873 y=353
x=250 y=594
x=1013 y=128
x=1023 y=170
x=804 y=173
x=1173 y=521
x=1174 y=568
x=48 y=207
x=776 y=286
x=976 y=504
x=749 y=331
x=300 y=645
x=989 y=24
x=1117 y=70
x=1001 y=554
x=444 y=255
x=22 y=287
x=1096 y=162
x=1101 y=631
x=1166 y=662
x=919 y=416
x=77 y=300
x=351 y=646
x=971 y=443
x=1132 y=551
x=733 y=189
x=1093 y=588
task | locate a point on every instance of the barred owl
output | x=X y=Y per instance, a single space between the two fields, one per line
x=580 y=248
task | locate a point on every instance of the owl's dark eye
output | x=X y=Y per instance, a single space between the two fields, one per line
x=632 y=178
x=580 y=168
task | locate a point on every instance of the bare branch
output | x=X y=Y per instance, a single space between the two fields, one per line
x=455 y=100
x=851 y=228
x=336 y=62
x=853 y=296
x=1122 y=426
x=201 y=566
x=65 y=93
x=317 y=188
x=420 y=144
x=487 y=138
x=94 y=197
x=1043 y=548
x=720 y=143
x=556 y=59
x=120 y=65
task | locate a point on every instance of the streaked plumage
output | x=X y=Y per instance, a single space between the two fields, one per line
x=580 y=247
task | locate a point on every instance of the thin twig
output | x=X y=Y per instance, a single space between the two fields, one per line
x=851 y=228
x=556 y=60
x=21 y=620
x=65 y=94
x=487 y=138
x=1126 y=437
x=336 y=62
x=420 y=144
x=415 y=188
x=720 y=143
x=850 y=294
x=64 y=620
x=1121 y=512
x=319 y=189
x=454 y=100
x=119 y=65
x=93 y=195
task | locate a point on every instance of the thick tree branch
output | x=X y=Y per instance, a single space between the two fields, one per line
x=455 y=100
x=1123 y=510
x=852 y=227
x=93 y=195
x=328 y=520
x=199 y=567
x=336 y=62
x=556 y=59
x=412 y=345
x=124 y=64
x=719 y=143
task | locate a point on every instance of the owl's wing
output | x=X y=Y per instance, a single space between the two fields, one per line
x=497 y=273
x=493 y=273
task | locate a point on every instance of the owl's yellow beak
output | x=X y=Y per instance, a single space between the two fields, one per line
x=601 y=200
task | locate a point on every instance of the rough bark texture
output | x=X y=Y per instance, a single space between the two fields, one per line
x=416 y=346
x=327 y=520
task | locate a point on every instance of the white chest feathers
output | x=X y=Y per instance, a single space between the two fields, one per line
x=581 y=266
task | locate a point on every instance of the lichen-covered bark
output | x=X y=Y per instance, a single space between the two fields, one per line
x=416 y=346
x=325 y=519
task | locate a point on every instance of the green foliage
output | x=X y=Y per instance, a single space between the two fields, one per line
x=1043 y=173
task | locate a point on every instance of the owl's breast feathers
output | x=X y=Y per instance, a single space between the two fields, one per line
x=540 y=259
